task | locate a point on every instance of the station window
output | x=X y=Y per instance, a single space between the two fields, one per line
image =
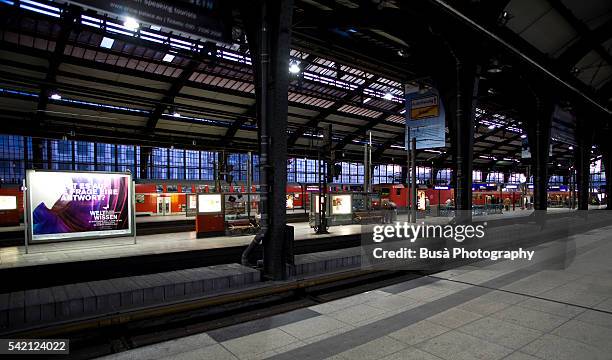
x=106 y=157
x=11 y=159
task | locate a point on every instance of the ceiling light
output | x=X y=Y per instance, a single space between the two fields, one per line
x=491 y=127
x=155 y=27
x=523 y=136
x=571 y=147
x=494 y=68
x=176 y=114
x=388 y=96
x=366 y=100
x=294 y=68
x=168 y=58
x=56 y=96
x=107 y=42
x=131 y=24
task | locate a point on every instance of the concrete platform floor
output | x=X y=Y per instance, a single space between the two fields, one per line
x=490 y=311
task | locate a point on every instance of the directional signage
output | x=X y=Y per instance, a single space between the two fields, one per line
x=205 y=18
x=425 y=119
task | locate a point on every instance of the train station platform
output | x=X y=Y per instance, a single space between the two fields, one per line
x=480 y=311
x=74 y=251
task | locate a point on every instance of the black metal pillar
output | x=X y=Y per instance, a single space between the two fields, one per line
x=404 y=175
x=582 y=154
x=37 y=153
x=268 y=29
x=607 y=165
x=459 y=98
x=145 y=158
x=538 y=135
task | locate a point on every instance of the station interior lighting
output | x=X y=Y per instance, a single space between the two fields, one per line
x=523 y=136
x=366 y=100
x=294 y=68
x=388 y=96
x=107 y=42
x=491 y=127
x=168 y=58
x=130 y=23
x=56 y=96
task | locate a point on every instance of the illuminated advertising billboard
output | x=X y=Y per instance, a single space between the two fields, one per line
x=76 y=205
x=209 y=204
x=341 y=204
x=8 y=202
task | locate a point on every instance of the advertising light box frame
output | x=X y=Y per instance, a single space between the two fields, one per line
x=209 y=211
x=83 y=235
x=347 y=202
x=8 y=199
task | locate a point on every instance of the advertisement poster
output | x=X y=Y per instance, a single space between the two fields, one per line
x=209 y=203
x=425 y=120
x=289 y=201
x=422 y=202
x=70 y=205
x=341 y=204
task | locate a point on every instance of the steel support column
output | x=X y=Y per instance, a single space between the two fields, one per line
x=37 y=153
x=538 y=135
x=459 y=100
x=268 y=28
x=607 y=165
x=145 y=158
x=582 y=155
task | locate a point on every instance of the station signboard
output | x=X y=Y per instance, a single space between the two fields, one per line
x=66 y=205
x=210 y=19
x=425 y=119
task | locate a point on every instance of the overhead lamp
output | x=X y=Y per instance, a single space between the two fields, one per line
x=168 y=58
x=491 y=127
x=107 y=42
x=55 y=96
x=294 y=68
x=174 y=112
x=388 y=96
x=523 y=136
x=366 y=100
x=495 y=67
x=130 y=23
x=571 y=147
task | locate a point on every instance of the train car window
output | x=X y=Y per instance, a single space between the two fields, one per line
x=385 y=191
x=398 y=191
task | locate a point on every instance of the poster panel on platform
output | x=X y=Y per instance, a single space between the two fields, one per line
x=65 y=205
x=341 y=204
x=425 y=119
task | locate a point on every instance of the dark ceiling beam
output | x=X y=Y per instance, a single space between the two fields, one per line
x=67 y=24
x=583 y=31
x=173 y=91
x=324 y=113
x=579 y=49
x=162 y=78
x=605 y=91
x=362 y=131
x=251 y=112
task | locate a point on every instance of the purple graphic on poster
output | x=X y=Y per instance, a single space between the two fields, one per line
x=67 y=205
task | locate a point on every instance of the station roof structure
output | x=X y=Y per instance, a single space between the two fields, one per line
x=85 y=74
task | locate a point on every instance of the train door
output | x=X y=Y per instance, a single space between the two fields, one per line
x=164 y=205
